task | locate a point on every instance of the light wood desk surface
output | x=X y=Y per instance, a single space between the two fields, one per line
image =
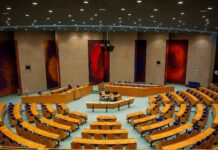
x=73 y=120
x=79 y=114
x=164 y=98
x=105 y=123
x=155 y=125
x=16 y=112
x=152 y=100
x=40 y=131
x=165 y=109
x=190 y=141
x=64 y=107
x=3 y=108
x=144 y=119
x=215 y=110
x=104 y=142
x=169 y=133
x=191 y=98
x=50 y=109
x=34 y=110
x=20 y=139
x=207 y=99
x=107 y=118
x=150 y=108
x=181 y=111
x=179 y=100
x=138 y=113
x=210 y=91
x=97 y=131
x=199 y=113
x=55 y=124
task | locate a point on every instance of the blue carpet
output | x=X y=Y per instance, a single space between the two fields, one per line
x=140 y=104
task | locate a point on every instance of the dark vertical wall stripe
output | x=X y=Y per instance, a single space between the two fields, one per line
x=140 y=60
x=215 y=77
x=8 y=69
x=176 y=60
x=52 y=67
x=98 y=62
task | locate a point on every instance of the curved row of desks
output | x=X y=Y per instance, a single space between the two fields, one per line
x=64 y=97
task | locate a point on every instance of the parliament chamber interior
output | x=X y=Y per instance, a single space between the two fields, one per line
x=108 y=74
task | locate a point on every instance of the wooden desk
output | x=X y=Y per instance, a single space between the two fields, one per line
x=16 y=112
x=139 y=91
x=135 y=122
x=133 y=115
x=62 y=108
x=199 y=113
x=107 y=132
x=69 y=119
x=50 y=109
x=191 y=98
x=79 y=114
x=83 y=91
x=214 y=86
x=56 y=125
x=179 y=100
x=59 y=90
x=41 y=132
x=107 y=118
x=150 y=108
x=215 y=111
x=11 y=135
x=215 y=94
x=145 y=128
x=109 y=105
x=34 y=110
x=3 y=108
x=181 y=111
x=166 y=134
x=165 y=99
x=206 y=99
x=93 y=125
x=190 y=141
x=165 y=109
x=103 y=142
x=112 y=96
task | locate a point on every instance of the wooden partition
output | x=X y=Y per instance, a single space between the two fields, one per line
x=139 y=91
x=65 y=97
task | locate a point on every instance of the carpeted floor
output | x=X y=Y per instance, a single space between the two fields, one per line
x=140 y=104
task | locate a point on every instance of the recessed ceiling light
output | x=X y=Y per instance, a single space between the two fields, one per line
x=123 y=9
x=83 y=22
x=119 y=18
x=85 y=2
x=102 y=9
x=95 y=14
x=91 y=18
x=34 y=3
x=8 y=8
x=120 y=21
x=155 y=9
x=69 y=16
x=209 y=8
x=5 y=13
x=81 y=9
x=173 y=18
x=203 y=16
x=139 y=1
x=152 y=16
x=50 y=11
x=9 y=18
x=72 y=20
x=203 y=11
x=154 y=21
x=180 y=2
x=27 y=15
x=182 y=13
x=129 y=14
x=59 y=22
x=48 y=18
x=35 y=21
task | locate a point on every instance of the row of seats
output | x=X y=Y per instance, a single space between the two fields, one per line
x=104 y=134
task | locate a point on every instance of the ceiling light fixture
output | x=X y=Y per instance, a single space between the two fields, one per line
x=81 y=9
x=85 y=2
x=123 y=9
x=182 y=13
x=155 y=9
x=34 y=3
x=139 y=1
x=180 y=2
x=209 y=8
x=27 y=15
x=8 y=8
x=50 y=11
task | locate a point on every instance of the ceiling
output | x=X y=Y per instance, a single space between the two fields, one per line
x=126 y=15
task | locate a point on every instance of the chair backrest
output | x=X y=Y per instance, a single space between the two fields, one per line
x=131 y=147
x=76 y=146
x=117 y=147
x=89 y=146
x=86 y=136
x=98 y=136
x=111 y=136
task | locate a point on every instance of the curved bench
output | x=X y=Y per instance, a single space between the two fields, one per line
x=191 y=98
x=190 y=141
x=205 y=98
x=178 y=99
x=215 y=110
